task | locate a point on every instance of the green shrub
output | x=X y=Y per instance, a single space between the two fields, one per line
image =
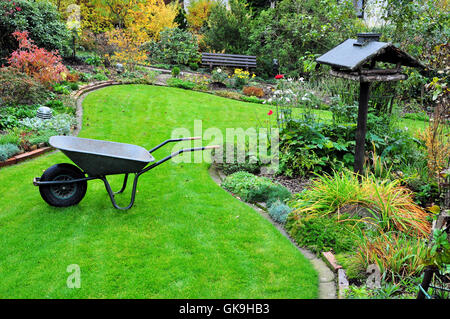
x=175 y=46
x=42 y=137
x=175 y=71
x=61 y=123
x=193 y=66
x=85 y=77
x=309 y=146
x=93 y=60
x=253 y=189
x=60 y=88
x=268 y=194
x=40 y=18
x=297 y=28
x=7 y=151
x=58 y=107
x=139 y=77
x=74 y=86
x=279 y=211
x=10 y=137
x=19 y=88
x=251 y=99
x=10 y=116
x=228 y=28
x=100 y=77
x=242 y=183
x=179 y=83
x=219 y=75
x=322 y=233
x=162 y=66
x=230 y=164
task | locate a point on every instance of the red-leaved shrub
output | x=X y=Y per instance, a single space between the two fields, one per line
x=44 y=66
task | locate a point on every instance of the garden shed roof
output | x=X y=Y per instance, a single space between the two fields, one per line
x=353 y=54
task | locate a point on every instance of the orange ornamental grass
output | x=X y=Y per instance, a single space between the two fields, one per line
x=391 y=205
x=394 y=207
x=394 y=253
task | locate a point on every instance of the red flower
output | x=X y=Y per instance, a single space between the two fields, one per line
x=279 y=76
x=18 y=9
x=270 y=112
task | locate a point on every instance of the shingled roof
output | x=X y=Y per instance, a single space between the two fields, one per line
x=353 y=54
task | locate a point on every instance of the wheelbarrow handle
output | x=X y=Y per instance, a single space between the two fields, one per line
x=174 y=140
x=178 y=153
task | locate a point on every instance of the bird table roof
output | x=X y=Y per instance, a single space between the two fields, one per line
x=351 y=55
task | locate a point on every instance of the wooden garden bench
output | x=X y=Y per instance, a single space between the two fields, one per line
x=228 y=60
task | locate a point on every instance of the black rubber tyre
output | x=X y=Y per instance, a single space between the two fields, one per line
x=66 y=194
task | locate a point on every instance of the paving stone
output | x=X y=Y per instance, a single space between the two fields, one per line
x=325 y=274
x=327 y=291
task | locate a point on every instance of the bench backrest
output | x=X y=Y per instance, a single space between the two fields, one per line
x=232 y=60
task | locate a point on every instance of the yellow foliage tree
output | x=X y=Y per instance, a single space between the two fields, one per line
x=151 y=17
x=198 y=13
x=127 y=44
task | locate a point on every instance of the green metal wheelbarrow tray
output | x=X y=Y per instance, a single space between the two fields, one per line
x=64 y=184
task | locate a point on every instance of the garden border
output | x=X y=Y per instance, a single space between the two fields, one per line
x=327 y=277
x=25 y=156
x=78 y=96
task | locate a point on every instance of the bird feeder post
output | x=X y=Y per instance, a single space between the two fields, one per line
x=356 y=60
x=361 y=127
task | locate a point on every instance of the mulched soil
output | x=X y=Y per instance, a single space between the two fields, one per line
x=295 y=185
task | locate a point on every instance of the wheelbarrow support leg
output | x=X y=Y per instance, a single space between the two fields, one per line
x=133 y=192
x=111 y=193
x=123 y=186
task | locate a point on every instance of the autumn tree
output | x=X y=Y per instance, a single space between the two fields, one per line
x=151 y=17
x=198 y=13
x=127 y=45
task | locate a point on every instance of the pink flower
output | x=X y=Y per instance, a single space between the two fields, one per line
x=279 y=76
x=270 y=112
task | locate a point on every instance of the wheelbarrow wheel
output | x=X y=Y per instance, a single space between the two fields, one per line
x=63 y=195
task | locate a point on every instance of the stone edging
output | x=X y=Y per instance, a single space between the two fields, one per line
x=327 y=278
x=24 y=156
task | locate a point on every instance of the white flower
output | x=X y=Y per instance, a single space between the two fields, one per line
x=301 y=79
x=219 y=70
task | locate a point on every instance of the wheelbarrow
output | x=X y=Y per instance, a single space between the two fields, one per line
x=64 y=184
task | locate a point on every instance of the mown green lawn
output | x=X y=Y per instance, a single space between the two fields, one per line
x=184 y=238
